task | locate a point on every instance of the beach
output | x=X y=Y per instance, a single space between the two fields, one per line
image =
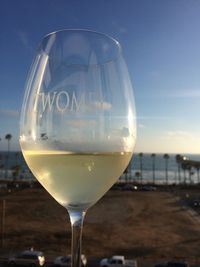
x=148 y=226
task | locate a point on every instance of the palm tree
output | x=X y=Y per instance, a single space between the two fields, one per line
x=129 y=171
x=198 y=178
x=137 y=175
x=8 y=137
x=0 y=139
x=153 y=166
x=1 y=161
x=166 y=157
x=184 y=167
x=16 y=158
x=141 y=165
x=190 y=173
x=17 y=165
x=126 y=174
x=178 y=160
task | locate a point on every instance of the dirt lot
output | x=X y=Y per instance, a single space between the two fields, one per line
x=149 y=226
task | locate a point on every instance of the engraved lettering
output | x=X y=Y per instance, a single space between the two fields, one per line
x=48 y=99
x=75 y=105
x=64 y=105
x=64 y=101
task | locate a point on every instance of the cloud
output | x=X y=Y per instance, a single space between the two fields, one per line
x=9 y=112
x=178 y=93
x=23 y=38
x=191 y=93
x=140 y=125
x=122 y=29
x=154 y=74
x=154 y=118
x=82 y=123
x=172 y=94
x=177 y=135
x=102 y=105
x=179 y=141
x=119 y=28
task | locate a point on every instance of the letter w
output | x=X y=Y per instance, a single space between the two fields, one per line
x=47 y=100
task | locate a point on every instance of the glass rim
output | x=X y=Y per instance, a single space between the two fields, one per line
x=117 y=43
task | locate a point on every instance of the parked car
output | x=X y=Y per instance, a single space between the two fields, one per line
x=160 y=265
x=177 y=264
x=118 y=261
x=129 y=187
x=116 y=187
x=196 y=203
x=27 y=258
x=172 y=264
x=148 y=188
x=65 y=261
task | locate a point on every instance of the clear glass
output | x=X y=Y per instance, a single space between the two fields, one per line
x=78 y=122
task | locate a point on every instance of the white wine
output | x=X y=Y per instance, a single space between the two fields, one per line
x=76 y=179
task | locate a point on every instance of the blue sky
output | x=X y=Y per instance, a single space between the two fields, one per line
x=161 y=44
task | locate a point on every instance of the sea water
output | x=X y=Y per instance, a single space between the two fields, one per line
x=16 y=158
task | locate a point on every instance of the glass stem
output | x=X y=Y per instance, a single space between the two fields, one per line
x=76 y=218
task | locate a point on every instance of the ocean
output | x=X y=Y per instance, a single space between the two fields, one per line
x=160 y=168
x=16 y=158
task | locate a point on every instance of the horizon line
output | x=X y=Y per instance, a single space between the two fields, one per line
x=134 y=153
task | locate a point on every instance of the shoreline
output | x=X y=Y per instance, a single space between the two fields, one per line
x=148 y=167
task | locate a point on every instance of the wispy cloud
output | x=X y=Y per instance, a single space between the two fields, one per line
x=190 y=93
x=102 y=105
x=23 y=38
x=172 y=94
x=82 y=123
x=181 y=141
x=9 y=112
x=118 y=27
x=178 y=93
x=140 y=125
x=154 y=74
x=144 y=117
x=177 y=135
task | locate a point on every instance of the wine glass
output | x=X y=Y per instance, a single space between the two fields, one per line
x=77 y=128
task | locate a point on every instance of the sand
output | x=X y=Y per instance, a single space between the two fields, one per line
x=149 y=226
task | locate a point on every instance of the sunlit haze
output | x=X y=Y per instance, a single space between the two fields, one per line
x=161 y=45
